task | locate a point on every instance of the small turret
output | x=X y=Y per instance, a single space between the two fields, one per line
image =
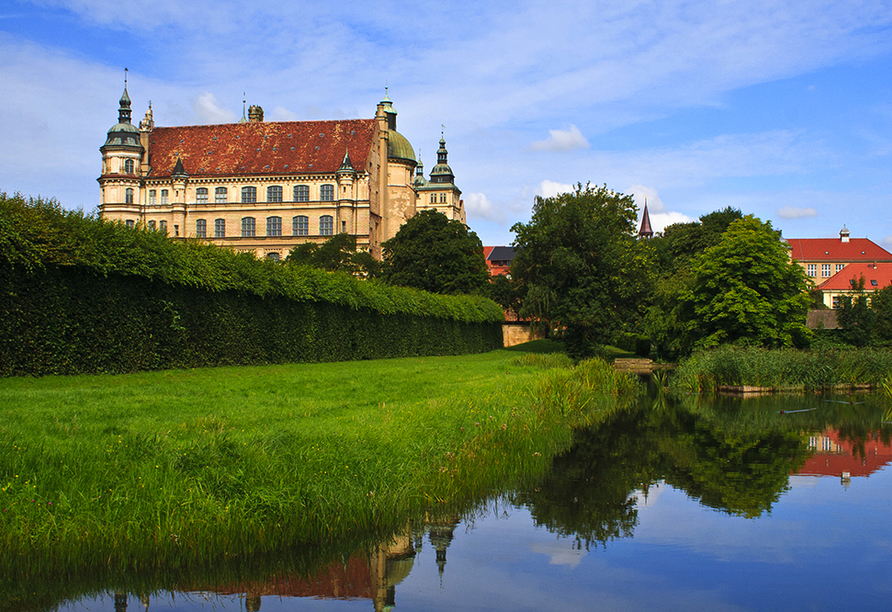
x=844 y=234
x=442 y=173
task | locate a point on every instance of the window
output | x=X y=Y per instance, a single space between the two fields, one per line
x=201 y=195
x=164 y=226
x=300 y=225
x=163 y=197
x=825 y=270
x=873 y=282
x=443 y=198
x=152 y=225
x=130 y=223
x=220 y=195
x=326 y=193
x=326 y=225
x=301 y=193
x=812 y=269
x=839 y=267
x=176 y=230
x=835 y=301
x=128 y=196
x=274 y=194
x=201 y=228
x=152 y=197
x=247 y=227
x=249 y=195
x=433 y=198
x=219 y=228
x=274 y=226
x=272 y=256
x=343 y=227
x=128 y=166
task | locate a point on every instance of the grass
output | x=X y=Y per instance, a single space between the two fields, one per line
x=178 y=468
x=787 y=369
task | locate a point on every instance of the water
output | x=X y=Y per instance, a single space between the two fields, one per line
x=695 y=505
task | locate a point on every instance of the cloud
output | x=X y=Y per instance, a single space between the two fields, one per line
x=792 y=212
x=478 y=205
x=549 y=189
x=560 y=552
x=570 y=139
x=208 y=111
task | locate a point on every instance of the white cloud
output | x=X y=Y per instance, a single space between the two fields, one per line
x=560 y=552
x=549 y=189
x=208 y=111
x=570 y=139
x=478 y=205
x=792 y=212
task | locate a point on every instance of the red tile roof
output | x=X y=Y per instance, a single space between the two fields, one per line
x=881 y=273
x=264 y=148
x=834 y=249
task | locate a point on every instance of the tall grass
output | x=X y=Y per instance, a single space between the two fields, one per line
x=786 y=369
x=180 y=469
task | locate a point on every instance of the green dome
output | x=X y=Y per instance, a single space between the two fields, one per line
x=398 y=147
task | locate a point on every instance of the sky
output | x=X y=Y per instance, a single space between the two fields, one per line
x=781 y=108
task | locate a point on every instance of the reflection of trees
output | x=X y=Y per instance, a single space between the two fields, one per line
x=590 y=490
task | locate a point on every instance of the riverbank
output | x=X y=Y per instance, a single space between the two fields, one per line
x=182 y=467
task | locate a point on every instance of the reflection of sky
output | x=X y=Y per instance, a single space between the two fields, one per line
x=822 y=547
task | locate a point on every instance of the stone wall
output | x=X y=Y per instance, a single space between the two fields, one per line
x=514 y=333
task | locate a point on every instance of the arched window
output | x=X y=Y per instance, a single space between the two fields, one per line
x=273 y=256
x=201 y=195
x=274 y=194
x=326 y=193
x=249 y=194
x=219 y=228
x=201 y=228
x=300 y=225
x=301 y=193
x=128 y=166
x=220 y=195
x=326 y=225
x=128 y=196
x=152 y=225
x=274 y=226
x=247 y=227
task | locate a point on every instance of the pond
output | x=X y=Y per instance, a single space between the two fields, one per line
x=772 y=503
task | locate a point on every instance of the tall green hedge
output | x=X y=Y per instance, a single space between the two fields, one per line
x=79 y=294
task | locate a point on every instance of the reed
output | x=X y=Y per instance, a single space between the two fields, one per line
x=179 y=469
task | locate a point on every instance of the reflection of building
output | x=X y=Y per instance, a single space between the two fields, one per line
x=845 y=459
x=264 y=187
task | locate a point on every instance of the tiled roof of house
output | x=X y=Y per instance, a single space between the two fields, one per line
x=834 y=249
x=262 y=148
x=499 y=253
x=876 y=277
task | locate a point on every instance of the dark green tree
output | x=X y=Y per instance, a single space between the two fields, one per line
x=745 y=289
x=436 y=254
x=506 y=292
x=881 y=303
x=338 y=253
x=581 y=265
x=855 y=316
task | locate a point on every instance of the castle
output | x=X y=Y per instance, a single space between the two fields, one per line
x=264 y=187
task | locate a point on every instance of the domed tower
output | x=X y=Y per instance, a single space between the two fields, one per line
x=398 y=196
x=122 y=156
x=440 y=193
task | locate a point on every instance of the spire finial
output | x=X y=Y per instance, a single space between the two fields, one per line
x=125 y=77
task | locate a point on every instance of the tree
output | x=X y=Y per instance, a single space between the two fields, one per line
x=434 y=253
x=506 y=292
x=581 y=265
x=746 y=289
x=338 y=253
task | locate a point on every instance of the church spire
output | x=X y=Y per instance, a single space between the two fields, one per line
x=645 y=231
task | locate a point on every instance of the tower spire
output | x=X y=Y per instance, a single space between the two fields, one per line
x=645 y=231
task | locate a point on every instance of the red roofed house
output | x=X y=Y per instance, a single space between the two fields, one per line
x=876 y=276
x=821 y=258
x=264 y=187
x=498 y=259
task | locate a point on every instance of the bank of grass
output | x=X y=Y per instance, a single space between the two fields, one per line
x=176 y=468
x=785 y=370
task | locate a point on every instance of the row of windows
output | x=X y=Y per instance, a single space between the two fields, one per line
x=300 y=226
x=812 y=269
x=274 y=193
x=434 y=198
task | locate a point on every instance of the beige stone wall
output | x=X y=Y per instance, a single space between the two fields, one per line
x=399 y=205
x=518 y=333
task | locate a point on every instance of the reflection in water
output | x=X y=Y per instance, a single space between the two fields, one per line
x=733 y=456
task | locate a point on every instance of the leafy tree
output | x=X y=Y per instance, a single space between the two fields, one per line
x=680 y=242
x=338 y=253
x=746 y=289
x=855 y=316
x=436 y=254
x=581 y=265
x=506 y=292
x=881 y=303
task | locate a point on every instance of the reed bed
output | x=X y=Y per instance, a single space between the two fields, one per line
x=785 y=369
x=179 y=469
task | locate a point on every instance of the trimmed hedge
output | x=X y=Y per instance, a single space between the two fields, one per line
x=82 y=295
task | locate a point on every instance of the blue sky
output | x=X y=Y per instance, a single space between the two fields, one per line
x=780 y=108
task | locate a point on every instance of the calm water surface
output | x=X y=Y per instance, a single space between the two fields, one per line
x=672 y=506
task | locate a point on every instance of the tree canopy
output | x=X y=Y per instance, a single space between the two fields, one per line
x=745 y=289
x=581 y=265
x=436 y=254
x=338 y=253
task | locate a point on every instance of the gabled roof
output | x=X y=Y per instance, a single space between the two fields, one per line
x=834 y=249
x=880 y=273
x=262 y=148
x=499 y=253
